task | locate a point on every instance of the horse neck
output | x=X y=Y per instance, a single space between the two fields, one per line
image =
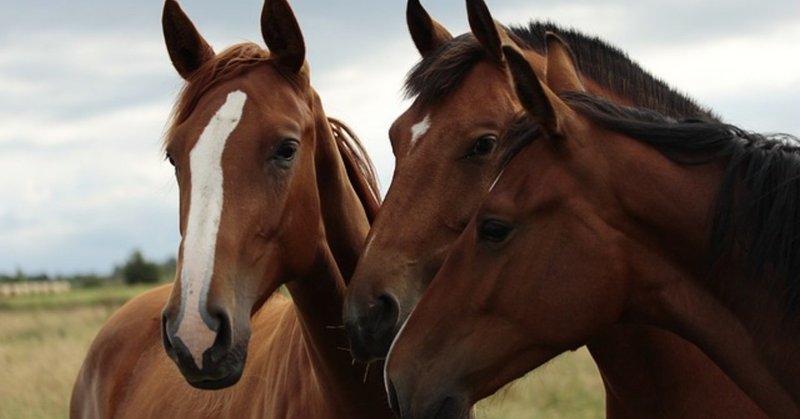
x=345 y=227
x=648 y=371
x=345 y=216
x=318 y=297
x=764 y=358
x=667 y=243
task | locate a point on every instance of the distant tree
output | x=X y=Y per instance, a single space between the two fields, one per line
x=20 y=276
x=138 y=270
x=168 y=268
x=39 y=278
x=89 y=280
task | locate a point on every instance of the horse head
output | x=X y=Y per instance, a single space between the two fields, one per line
x=447 y=152
x=242 y=141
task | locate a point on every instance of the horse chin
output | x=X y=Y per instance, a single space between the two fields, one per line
x=220 y=370
x=441 y=407
x=216 y=384
x=367 y=348
x=451 y=408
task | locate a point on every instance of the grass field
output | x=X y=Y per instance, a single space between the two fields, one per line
x=42 y=343
x=43 y=340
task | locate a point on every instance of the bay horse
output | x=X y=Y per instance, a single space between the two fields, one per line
x=609 y=215
x=448 y=153
x=271 y=192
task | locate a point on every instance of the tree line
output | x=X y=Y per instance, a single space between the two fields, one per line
x=135 y=270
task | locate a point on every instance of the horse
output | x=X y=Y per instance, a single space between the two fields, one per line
x=606 y=215
x=271 y=192
x=448 y=154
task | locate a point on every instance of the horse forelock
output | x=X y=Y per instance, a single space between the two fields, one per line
x=438 y=74
x=225 y=66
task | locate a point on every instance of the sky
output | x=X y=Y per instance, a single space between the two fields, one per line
x=86 y=87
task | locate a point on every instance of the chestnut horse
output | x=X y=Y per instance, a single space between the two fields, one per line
x=271 y=192
x=613 y=215
x=448 y=153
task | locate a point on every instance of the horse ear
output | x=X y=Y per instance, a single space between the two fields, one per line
x=488 y=32
x=531 y=93
x=282 y=34
x=427 y=33
x=186 y=47
x=562 y=73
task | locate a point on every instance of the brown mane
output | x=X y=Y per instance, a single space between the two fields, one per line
x=440 y=73
x=360 y=169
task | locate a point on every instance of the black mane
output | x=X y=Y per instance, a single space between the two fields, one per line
x=440 y=73
x=757 y=209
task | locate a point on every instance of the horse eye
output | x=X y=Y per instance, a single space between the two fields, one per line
x=170 y=159
x=286 y=151
x=483 y=146
x=495 y=231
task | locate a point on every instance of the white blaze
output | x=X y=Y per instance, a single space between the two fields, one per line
x=419 y=129
x=205 y=211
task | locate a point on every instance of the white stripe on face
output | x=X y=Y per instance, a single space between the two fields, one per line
x=419 y=129
x=205 y=211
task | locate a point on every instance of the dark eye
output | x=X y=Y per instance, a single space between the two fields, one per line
x=483 y=146
x=495 y=231
x=170 y=159
x=286 y=151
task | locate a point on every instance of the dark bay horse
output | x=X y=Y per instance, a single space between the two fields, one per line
x=448 y=154
x=271 y=192
x=609 y=215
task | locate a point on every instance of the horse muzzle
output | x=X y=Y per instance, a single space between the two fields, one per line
x=435 y=404
x=220 y=365
x=371 y=325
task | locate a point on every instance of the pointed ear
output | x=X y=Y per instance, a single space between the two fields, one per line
x=427 y=33
x=562 y=73
x=187 y=48
x=531 y=93
x=282 y=35
x=488 y=32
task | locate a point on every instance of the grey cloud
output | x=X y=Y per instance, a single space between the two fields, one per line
x=88 y=84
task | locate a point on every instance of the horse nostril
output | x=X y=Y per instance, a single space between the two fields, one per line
x=382 y=316
x=224 y=338
x=168 y=346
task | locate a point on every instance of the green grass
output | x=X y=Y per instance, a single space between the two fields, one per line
x=43 y=340
x=568 y=387
x=110 y=295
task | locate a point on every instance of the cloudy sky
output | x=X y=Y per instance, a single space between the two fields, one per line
x=86 y=87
